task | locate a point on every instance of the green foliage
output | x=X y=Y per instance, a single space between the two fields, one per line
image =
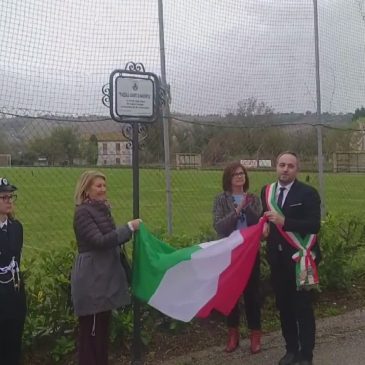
x=359 y=113
x=185 y=240
x=50 y=318
x=64 y=345
x=89 y=150
x=3 y=145
x=61 y=146
x=122 y=326
x=335 y=140
x=153 y=151
x=50 y=321
x=342 y=240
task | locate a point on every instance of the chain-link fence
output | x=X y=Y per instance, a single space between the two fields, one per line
x=242 y=82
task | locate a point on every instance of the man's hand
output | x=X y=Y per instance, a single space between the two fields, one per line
x=275 y=218
x=265 y=231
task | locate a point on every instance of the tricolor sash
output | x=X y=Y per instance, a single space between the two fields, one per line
x=305 y=268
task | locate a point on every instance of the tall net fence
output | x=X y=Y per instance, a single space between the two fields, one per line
x=242 y=82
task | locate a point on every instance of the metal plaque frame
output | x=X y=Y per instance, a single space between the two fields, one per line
x=132 y=71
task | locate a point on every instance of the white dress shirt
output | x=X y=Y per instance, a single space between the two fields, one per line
x=4 y=223
x=286 y=191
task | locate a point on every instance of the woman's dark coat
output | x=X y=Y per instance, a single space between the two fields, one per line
x=98 y=279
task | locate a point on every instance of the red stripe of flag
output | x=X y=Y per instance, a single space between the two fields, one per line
x=233 y=280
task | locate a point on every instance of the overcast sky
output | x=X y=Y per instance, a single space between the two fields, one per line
x=56 y=55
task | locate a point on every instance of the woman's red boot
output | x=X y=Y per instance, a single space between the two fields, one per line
x=255 y=339
x=233 y=339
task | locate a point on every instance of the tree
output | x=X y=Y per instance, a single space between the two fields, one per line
x=225 y=146
x=152 y=150
x=42 y=147
x=61 y=147
x=251 y=106
x=89 y=150
x=68 y=144
x=359 y=112
x=3 y=144
x=250 y=111
x=274 y=140
x=335 y=140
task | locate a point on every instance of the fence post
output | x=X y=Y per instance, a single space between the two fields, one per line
x=165 y=120
x=319 y=113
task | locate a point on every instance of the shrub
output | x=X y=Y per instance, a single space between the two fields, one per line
x=342 y=240
x=50 y=317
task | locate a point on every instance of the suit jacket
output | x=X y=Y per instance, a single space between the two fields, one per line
x=302 y=211
x=12 y=302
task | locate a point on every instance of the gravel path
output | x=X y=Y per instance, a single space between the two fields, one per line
x=340 y=341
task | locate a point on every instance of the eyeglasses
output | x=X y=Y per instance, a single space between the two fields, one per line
x=8 y=198
x=240 y=174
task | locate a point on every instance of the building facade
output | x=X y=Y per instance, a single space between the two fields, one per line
x=113 y=150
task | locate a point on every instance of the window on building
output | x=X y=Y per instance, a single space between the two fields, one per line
x=105 y=148
x=117 y=161
x=105 y=162
x=117 y=148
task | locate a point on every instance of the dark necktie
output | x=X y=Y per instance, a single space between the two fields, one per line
x=281 y=197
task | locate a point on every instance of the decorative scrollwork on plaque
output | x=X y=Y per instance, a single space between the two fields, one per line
x=168 y=94
x=135 y=66
x=106 y=95
x=162 y=97
x=142 y=134
x=127 y=131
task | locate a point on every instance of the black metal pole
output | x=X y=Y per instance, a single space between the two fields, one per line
x=136 y=347
x=165 y=121
x=319 y=112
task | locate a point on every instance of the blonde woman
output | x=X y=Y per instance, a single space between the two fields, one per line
x=12 y=293
x=98 y=281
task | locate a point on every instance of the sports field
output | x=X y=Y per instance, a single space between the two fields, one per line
x=45 y=199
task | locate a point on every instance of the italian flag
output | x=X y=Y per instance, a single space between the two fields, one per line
x=192 y=281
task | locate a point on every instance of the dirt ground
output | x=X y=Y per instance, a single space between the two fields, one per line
x=340 y=341
x=340 y=324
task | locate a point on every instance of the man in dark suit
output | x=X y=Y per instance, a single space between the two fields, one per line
x=293 y=210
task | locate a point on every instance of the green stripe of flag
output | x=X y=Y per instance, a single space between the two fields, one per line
x=151 y=259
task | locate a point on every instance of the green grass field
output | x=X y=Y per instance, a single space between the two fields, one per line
x=45 y=199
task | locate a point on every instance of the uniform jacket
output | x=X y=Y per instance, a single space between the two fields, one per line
x=12 y=301
x=98 y=279
x=224 y=213
x=302 y=211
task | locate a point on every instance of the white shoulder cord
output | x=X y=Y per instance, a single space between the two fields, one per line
x=12 y=268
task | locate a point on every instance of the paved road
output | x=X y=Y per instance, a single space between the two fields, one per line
x=340 y=341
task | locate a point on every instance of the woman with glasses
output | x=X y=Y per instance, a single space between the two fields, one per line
x=98 y=280
x=12 y=293
x=236 y=208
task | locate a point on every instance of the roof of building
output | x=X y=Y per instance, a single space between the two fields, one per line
x=107 y=137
